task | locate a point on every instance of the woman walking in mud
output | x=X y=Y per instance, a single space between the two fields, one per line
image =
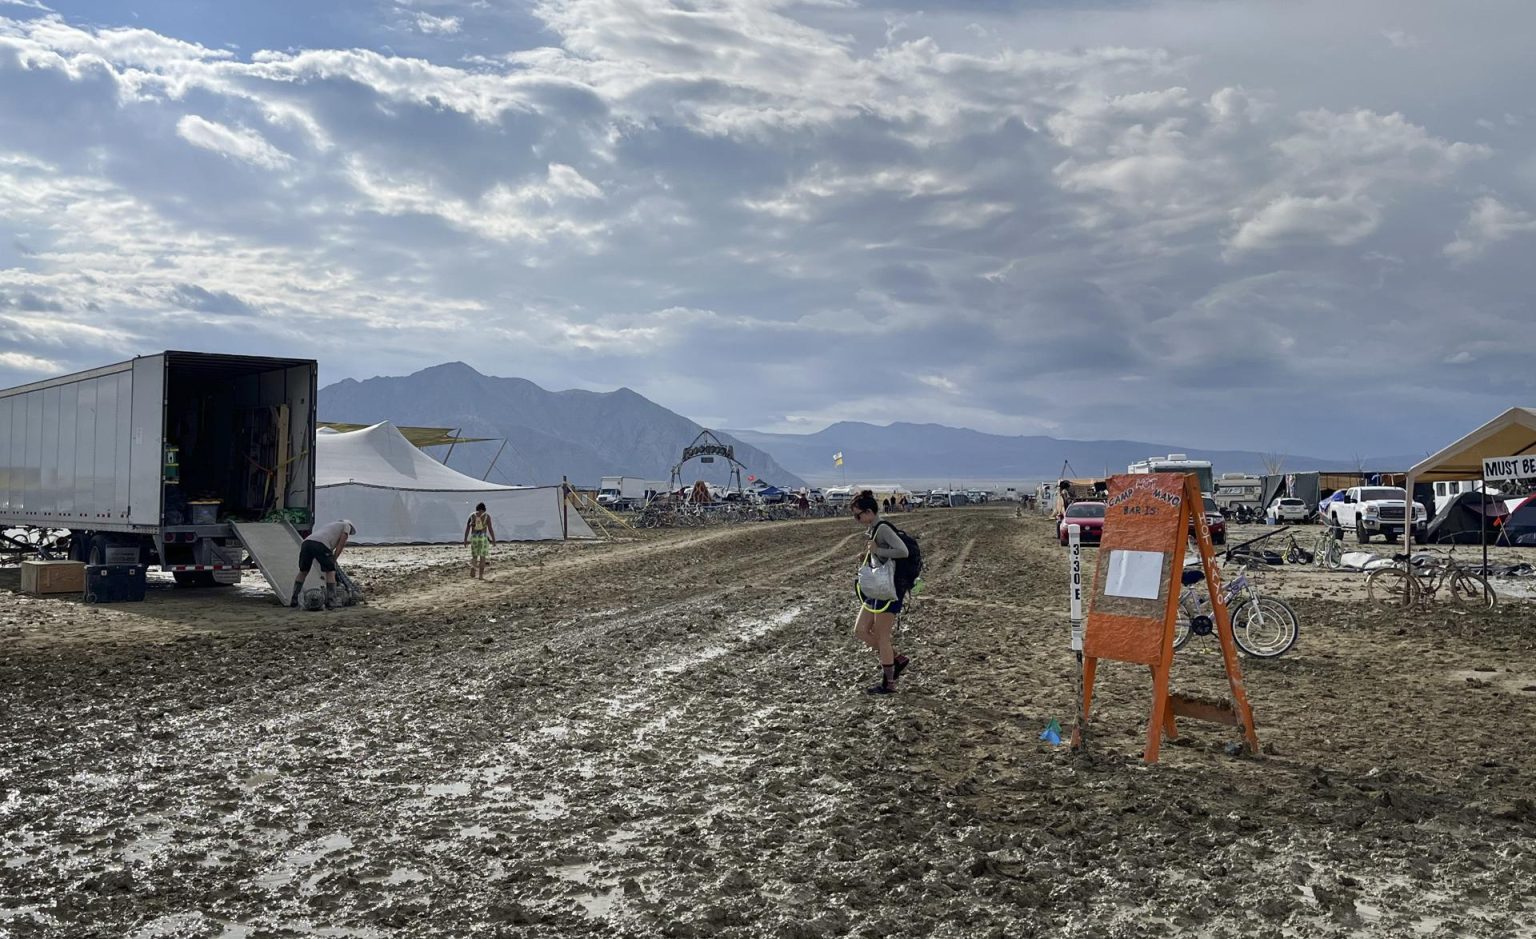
x=479 y=534
x=877 y=618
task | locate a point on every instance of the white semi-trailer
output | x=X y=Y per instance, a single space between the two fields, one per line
x=155 y=460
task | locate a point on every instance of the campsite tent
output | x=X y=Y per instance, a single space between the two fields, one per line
x=396 y=494
x=1461 y=519
x=1520 y=525
x=1510 y=434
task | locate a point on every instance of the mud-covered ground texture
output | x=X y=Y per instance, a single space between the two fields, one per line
x=667 y=734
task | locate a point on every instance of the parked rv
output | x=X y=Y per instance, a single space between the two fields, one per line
x=1176 y=463
x=151 y=461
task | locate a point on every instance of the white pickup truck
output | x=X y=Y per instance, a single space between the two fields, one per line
x=1376 y=510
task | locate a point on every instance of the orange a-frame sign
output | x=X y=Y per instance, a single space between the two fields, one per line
x=1134 y=604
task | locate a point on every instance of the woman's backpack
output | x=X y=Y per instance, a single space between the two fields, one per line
x=909 y=568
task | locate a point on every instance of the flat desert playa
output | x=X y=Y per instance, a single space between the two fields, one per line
x=667 y=734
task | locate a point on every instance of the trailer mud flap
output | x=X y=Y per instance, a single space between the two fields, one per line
x=275 y=548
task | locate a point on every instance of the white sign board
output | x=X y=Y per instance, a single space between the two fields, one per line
x=1137 y=574
x=1510 y=467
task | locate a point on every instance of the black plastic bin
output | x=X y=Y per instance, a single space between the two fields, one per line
x=114 y=583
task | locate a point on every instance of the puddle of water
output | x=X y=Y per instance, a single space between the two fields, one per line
x=289 y=866
x=445 y=790
x=171 y=925
x=748 y=631
x=400 y=875
x=257 y=780
x=474 y=831
x=597 y=902
x=547 y=807
x=147 y=845
x=33 y=913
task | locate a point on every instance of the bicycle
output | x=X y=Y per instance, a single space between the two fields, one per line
x=1328 y=549
x=1295 y=553
x=1415 y=582
x=1263 y=627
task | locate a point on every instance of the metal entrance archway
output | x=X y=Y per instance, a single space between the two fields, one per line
x=707 y=446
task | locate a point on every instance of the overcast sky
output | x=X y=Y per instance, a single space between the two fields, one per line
x=1302 y=226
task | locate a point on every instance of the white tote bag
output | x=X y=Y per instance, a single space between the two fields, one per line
x=877 y=579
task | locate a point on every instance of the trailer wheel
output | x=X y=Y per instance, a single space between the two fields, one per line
x=97 y=552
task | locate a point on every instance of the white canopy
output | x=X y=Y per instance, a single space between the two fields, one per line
x=396 y=494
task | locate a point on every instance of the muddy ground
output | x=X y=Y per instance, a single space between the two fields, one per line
x=668 y=735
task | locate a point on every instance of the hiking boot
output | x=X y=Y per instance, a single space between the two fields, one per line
x=293 y=601
x=881 y=688
x=330 y=598
x=901 y=664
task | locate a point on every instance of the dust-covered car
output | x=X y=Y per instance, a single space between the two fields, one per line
x=1088 y=517
x=1286 y=509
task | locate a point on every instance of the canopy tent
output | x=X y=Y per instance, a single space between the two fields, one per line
x=418 y=436
x=396 y=494
x=1510 y=434
x=1466 y=518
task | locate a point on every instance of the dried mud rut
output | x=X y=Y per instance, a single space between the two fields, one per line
x=669 y=736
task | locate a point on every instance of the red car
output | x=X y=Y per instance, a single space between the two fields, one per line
x=1088 y=516
x=1214 y=520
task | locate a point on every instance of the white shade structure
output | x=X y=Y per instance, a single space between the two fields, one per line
x=396 y=494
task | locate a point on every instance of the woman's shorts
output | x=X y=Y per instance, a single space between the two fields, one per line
x=479 y=547
x=880 y=606
x=312 y=551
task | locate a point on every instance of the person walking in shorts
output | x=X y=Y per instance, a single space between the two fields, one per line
x=479 y=534
x=877 y=618
x=324 y=545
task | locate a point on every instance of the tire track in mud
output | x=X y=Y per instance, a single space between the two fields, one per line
x=614 y=712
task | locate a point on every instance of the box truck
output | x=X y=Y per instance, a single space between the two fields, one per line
x=627 y=492
x=160 y=459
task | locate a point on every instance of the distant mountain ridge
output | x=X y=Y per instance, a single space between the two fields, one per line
x=905 y=452
x=584 y=435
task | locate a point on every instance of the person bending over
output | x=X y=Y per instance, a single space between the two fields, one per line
x=324 y=545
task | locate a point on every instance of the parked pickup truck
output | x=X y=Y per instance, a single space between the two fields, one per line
x=1375 y=510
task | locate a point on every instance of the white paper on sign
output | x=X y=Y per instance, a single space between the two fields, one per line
x=1137 y=574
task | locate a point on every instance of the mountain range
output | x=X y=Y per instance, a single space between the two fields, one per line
x=583 y=435
x=586 y=435
x=936 y=454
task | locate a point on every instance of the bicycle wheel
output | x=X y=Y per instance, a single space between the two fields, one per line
x=1264 y=628
x=1471 y=590
x=1391 y=586
x=1181 y=632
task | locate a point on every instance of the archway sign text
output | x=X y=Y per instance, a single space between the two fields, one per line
x=1134 y=603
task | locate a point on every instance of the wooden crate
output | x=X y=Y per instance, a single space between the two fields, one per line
x=52 y=577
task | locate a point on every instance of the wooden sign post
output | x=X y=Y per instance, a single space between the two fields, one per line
x=1135 y=600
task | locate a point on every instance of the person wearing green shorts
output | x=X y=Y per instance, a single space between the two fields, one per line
x=479 y=534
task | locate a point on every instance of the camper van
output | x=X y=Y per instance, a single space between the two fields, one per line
x=1176 y=463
